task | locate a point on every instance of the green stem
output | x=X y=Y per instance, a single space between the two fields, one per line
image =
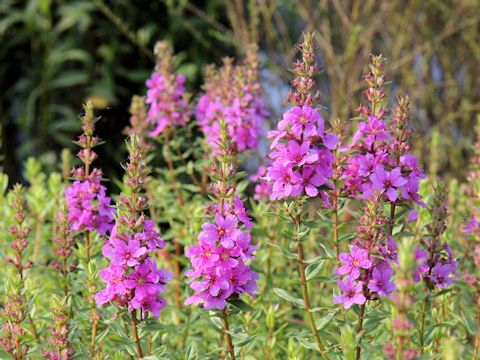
x=335 y=229
x=392 y=219
x=94 y=334
x=34 y=329
x=359 y=329
x=87 y=247
x=228 y=338
x=422 y=325
x=306 y=300
x=135 y=334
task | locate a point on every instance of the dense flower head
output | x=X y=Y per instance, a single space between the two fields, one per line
x=132 y=277
x=301 y=155
x=301 y=150
x=369 y=261
x=360 y=267
x=166 y=94
x=378 y=159
x=219 y=269
x=88 y=205
x=233 y=95
x=166 y=100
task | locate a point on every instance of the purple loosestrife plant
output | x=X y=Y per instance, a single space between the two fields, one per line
x=302 y=162
x=166 y=95
x=379 y=170
x=88 y=206
x=133 y=280
x=15 y=308
x=369 y=262
x=233 y=95
x=220 y=272
x=436 y=266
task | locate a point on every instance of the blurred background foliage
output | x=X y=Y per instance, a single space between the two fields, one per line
x=55 y=54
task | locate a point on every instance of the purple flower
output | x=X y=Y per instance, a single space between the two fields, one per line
x=113 y=275
x=374 y=130
x=380 y=282
x=286 y=182
x=352 y=293
x=312 y=178
x=166 y=97
x=301 y=155
x=88 y=206
x=420 y=257
x=132 y=276
x=389 y=250
x=235 y=99
x=353 y=262
x=125 y=253
x=241 y=213
x=224 y=230
x=219 y=267
x=412 y=216
x=441 y=275
x=302 y=120
x=147 y=303
x=388 y=181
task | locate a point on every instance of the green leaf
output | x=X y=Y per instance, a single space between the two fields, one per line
x=287 y=296
x=312 y=270
x=308 y=344
x=324 y=321
x=241 y=305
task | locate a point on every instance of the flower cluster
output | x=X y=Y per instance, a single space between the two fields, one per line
x=166 y=94
x=219 y=261
x=88 y=205
x=301 y=149
x=379 y=160
x=233 y=95
x=366 y=271
x=132 y=277
x=436 y=264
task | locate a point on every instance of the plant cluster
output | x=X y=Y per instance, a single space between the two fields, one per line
x=335 y=247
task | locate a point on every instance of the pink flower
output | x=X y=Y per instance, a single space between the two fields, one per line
x=301 y=155
x=166 y=97
x=126 y=253
x=88 y=206
x=353 y=262
x=224 y=230
x=286 y=182
x=352 y=293
x=388 y=181
x=380 y=282
x=147 y=303
x=373 y=130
